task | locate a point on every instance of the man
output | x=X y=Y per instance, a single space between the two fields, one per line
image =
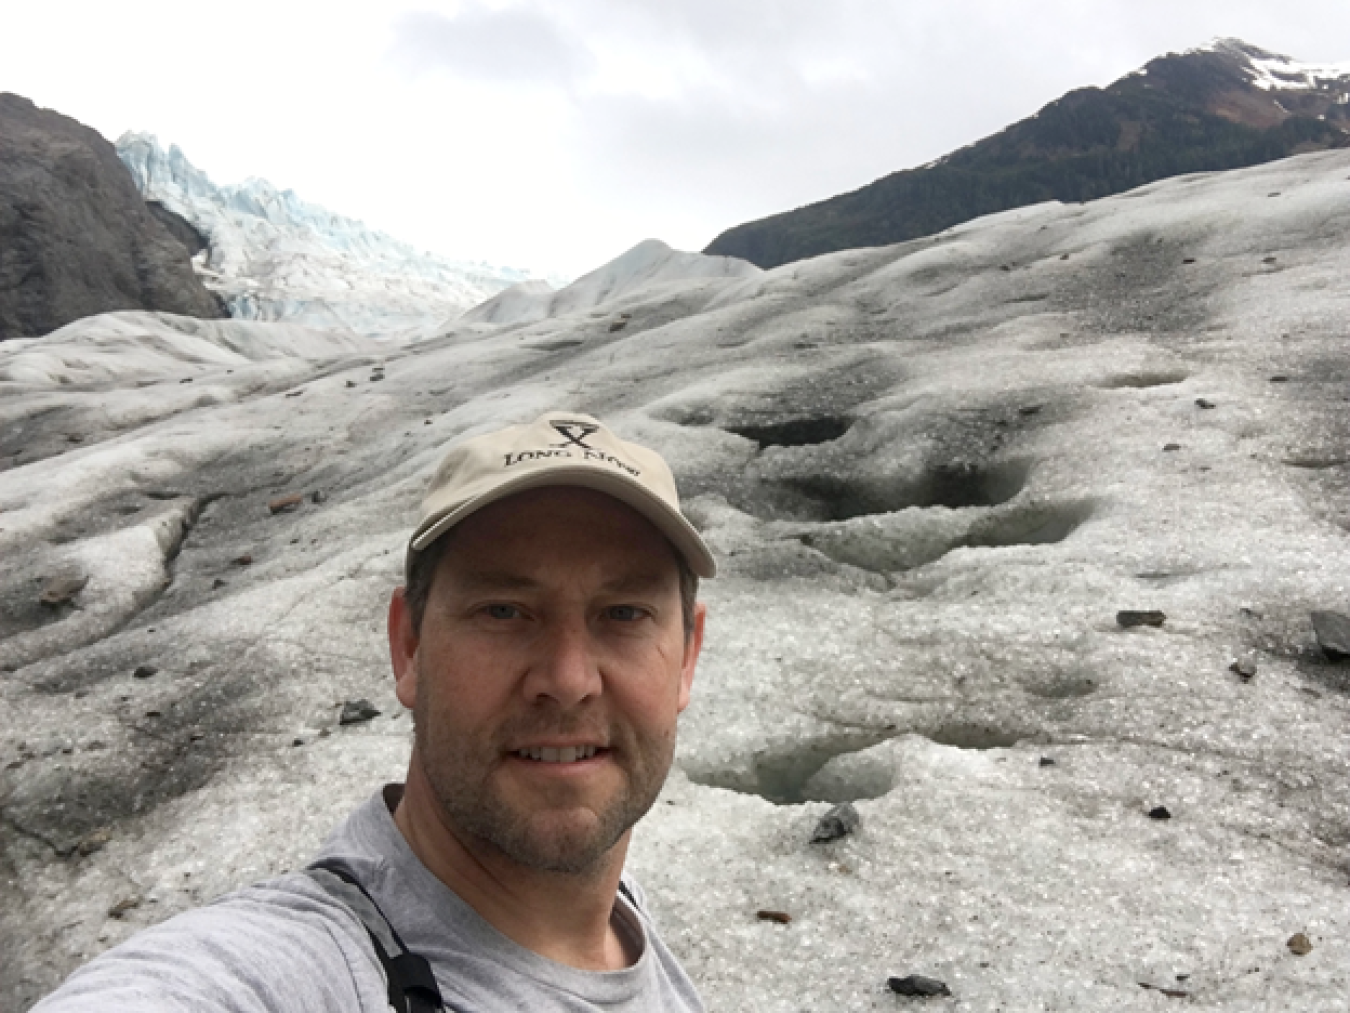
x=545 y=641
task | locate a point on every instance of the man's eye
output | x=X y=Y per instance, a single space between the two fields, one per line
x=625 y=613
x=501 y=611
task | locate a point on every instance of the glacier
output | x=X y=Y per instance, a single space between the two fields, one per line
x=933 y=474
x=275 y=257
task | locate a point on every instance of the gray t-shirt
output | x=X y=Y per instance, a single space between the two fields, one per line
x=285 y=946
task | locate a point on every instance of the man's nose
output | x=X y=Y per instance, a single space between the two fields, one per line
x=566 y=669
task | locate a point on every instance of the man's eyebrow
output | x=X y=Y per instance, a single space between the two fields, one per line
x=636 y=583
x=488 y=580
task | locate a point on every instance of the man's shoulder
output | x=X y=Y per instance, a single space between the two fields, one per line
x=280 y=944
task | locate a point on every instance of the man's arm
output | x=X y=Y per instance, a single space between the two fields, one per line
x=281 y=947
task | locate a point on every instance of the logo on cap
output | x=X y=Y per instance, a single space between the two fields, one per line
x=574 y=434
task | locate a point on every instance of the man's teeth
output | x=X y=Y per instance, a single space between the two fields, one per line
x=567 y=754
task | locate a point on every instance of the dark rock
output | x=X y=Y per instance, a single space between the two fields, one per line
x=218 y=583
x=1169 y=447
x=1333 y=634
x=1268 y=260
x=1188 y=260
x=1201 y=402
x=123 y=906
x=1031 y=409
x=917 y=984
x=1299 y=944
x=1279 y=379
x=294 y=393
x=318 y=496
x=78 y=238
x=356 y=711
x=285 y=504
x=351 y=383
x=1159 y=813
x=244 y=560
x=1171 y=993
x=781 y=917
x=617 y=325
x=186 y=379
x=1129 y=618
x=144 y=671
x=1244 y=667
x=93 y=842
x=376 y=376
x=1047 y=761
x=178 y=227
x=61 y=590
x=840 y=821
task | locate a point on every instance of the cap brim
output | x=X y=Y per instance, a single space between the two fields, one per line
x=668 y=521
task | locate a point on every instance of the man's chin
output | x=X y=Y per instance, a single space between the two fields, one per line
x=567 y=841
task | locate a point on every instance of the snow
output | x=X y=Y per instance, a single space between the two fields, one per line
x=273 y=256
x=931 y=484
x=118 y=347
x=1272 y=72
x=651 y=268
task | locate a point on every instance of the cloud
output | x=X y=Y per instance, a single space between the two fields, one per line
x=513 y=45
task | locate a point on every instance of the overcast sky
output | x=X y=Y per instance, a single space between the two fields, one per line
x=554 y=134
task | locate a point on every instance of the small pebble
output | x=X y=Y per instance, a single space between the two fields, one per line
x=1244 y=667
x=1047 y=761
x=144 y=671
x=1159 y=813
x=356 y=711
x=1299 y=945
x=285 y=503
x=1201 y=402
x=840 y=821
x=1129 y=618
x=245 y=560
x=917 y=984
x=781 y=917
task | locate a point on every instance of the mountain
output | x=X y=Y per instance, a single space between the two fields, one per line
x=75 y=236
x=272 y=256
x=1222 y=106
x=938 y=477
x=649 y=263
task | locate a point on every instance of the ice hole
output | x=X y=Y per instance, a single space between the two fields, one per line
x=955 y=485
x=800 y=432
x=781 y=774
x=974 y=736
x=1041 y=525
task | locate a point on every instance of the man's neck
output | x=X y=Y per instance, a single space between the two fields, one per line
x=566 y=918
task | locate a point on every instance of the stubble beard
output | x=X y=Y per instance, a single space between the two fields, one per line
x=570 y=840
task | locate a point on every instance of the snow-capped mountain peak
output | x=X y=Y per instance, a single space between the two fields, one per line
x=274 y=256
x=1276 y=72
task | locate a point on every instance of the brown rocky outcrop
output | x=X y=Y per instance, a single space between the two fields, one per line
x=75 y=236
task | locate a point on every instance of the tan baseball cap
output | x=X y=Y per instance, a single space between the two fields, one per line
x=558 y=448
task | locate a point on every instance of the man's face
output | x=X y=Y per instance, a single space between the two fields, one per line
x=548 y=676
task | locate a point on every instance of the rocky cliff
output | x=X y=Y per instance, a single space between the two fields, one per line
x=75 y=236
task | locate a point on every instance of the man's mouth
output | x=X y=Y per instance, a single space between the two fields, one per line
x=562 y=754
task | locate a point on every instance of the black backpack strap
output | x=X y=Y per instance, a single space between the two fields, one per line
x=412 y=986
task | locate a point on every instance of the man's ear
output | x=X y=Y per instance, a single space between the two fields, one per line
x=693 y=644
x=403 y=641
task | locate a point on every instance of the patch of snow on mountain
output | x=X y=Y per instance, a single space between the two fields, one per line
x=1274 y=72
x=273 y=256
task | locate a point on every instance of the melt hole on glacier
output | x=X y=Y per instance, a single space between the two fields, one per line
x=801 y=432
x=825 y=497
x=838 y=768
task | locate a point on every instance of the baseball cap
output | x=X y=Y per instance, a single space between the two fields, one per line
x=558 y=448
